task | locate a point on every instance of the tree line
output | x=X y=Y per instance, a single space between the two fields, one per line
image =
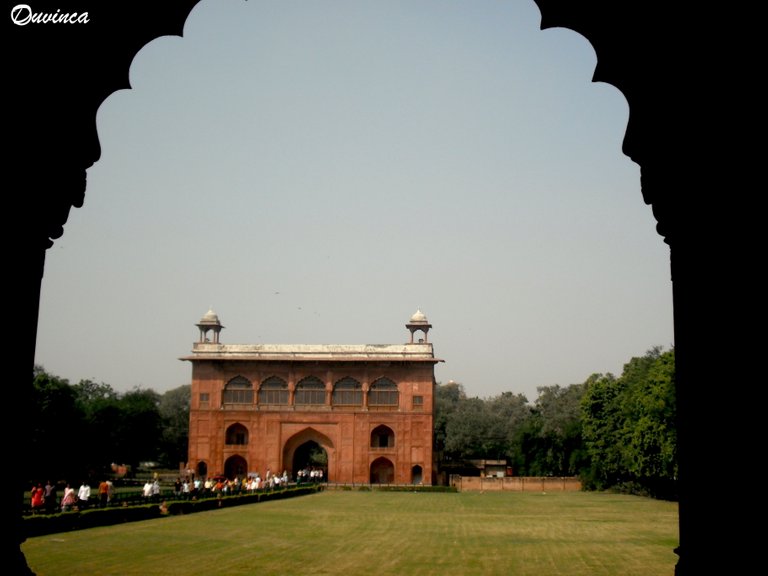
x=611 y=432
x=80 y=430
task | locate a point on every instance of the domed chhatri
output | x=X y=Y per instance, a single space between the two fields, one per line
x=418 y=322
x=209 y=322
x=418 y=316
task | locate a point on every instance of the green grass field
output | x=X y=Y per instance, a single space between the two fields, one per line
x=383 y=533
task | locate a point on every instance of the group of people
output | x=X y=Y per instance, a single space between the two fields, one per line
x=187 y=489
x=151 y=490
x=219 y=485
x=309 y=475
x=44 y=499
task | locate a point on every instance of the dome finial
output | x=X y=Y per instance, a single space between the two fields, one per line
x=418 y=316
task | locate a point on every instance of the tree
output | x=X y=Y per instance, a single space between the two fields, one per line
x=79 y=431
x=549 y=440
x=471 y=431
x=90 y=393
x=446 y=398
x=511 y=414
x=55 y=420
x=652 y=435
x=629 y=427
x=602 y=420
x=139 y=428
x=101 y=418
x=174 y=412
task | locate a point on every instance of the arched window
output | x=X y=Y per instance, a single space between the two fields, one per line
x=239 y=390
x=310 y=391
x=383 y=392
x=348 y=392
x=273 y=390
x=382 y=437
x=237 y=434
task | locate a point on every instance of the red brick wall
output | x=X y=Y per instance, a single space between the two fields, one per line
x=516 y=484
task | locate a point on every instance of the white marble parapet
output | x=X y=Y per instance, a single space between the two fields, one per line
x=317 y=352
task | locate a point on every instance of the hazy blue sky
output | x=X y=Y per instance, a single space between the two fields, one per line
x=315 y=171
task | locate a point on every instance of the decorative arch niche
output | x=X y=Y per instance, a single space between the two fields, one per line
x=382 y=437
x=382 y=471
x=236 y=467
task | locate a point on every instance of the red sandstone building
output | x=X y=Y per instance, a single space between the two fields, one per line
x=361 y=413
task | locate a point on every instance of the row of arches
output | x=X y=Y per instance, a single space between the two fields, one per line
x=310 y=391
x=310 y=450
x=382 y=436
x=311 y=455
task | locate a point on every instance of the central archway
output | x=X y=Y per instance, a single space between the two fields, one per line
x=309 y=449
x=308 y=459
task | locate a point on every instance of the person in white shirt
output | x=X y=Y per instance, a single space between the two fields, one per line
x=83 y=495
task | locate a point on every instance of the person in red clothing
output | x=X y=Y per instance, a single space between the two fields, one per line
x=37 y=500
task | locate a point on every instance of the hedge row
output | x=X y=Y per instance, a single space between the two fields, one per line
x=417 y=488
x=393 y=488
x=42 y=525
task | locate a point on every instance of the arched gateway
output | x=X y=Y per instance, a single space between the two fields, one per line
x=357 y=412
x=308 y=450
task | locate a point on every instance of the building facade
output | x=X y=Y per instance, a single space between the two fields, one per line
x=358 y=413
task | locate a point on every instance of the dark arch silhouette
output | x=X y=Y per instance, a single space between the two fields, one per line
x=687 y=73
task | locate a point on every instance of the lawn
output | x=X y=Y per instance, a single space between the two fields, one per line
x=383 y=533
